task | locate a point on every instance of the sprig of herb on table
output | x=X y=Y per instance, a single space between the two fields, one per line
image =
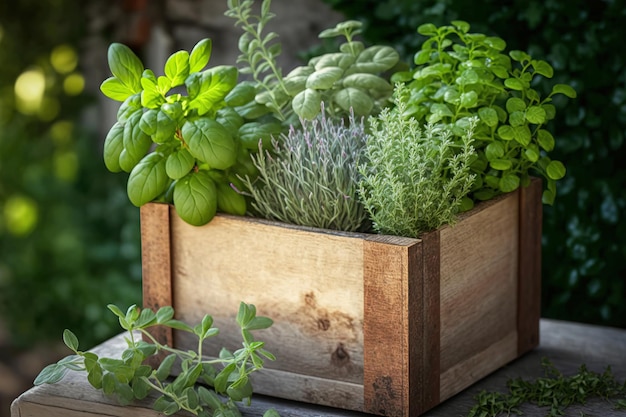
x=129 y=377
x=311 y=177
x=554 y=390
x=415 y=178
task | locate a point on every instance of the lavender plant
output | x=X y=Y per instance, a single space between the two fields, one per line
x=311 y=177
x=415 y=179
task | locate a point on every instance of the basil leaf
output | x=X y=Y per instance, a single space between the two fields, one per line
x=210 y=142
x=195 y=198
x=147 y=180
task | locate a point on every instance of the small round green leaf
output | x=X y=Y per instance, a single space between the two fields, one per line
x=356 y=99
x=200 y=55
x=517 y=118
x=536 y=115
x=545 y=140
x=543 y=68
x=494 y=151
x=500 y=164
x=564 y=89
x=210 y=142
x=522 y=134
x=195 y=198
x=422 y=57
x=427 y=29
x=531 y=154
x=147 y=180
x=514 y=84
x=519 y=56
x=488 y=115
x=509 y=182
x=114 y=89
x=113 y=146
x=461 y=25
x=179 y=163
x=506 y=132
x=307 y=104
x=555 y=170
x=324 y=78
x=469 y=99
x=514 y=104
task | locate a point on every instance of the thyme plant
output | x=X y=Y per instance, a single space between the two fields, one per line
x=416 y=178
x=311 y=177
x=554 y=391
x=129 y=377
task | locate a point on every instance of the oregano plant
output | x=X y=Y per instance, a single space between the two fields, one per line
x=183 y=136
x=204 y=387
x=347 y=80
x=459 y=75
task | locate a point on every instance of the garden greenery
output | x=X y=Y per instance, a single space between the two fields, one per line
x=415 y=179
x=130 y=377
x=345 y=81
x=459 y=75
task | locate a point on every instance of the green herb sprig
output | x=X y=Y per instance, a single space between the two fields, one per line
x=129 y=377
x=459 y=75
x=414 y=178
x=347 y=80
x=311 y=177
x=554 y=390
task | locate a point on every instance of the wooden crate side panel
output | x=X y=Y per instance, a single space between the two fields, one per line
x=156 y=263
x=529 y=304
x=430 y=359
x=386 y=384
x=479 y=267
x=310 y=284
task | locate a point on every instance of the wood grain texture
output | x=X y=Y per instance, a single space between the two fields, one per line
x=529 y=285
x=156 y=263
x=479 y=266
x=567 y=345
x=393 y=304
x=309 y=282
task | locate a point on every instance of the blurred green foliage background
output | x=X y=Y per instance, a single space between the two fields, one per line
x=69 y=240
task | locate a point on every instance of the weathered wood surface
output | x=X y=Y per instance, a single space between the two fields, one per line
x=567 y=345
x=362 y=321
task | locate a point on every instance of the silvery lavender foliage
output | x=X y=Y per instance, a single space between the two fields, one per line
x=310 y=178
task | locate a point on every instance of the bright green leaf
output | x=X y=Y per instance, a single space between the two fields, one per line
x=200 y=55
x=179 y=163
x=555 y=170
x=545 y=140
x=488 y=115
x=70 y=340
x=536 y=115
x=177 y=68
x=494 y=151
x=125 y=66
x=564 y=89
x=307 y=104
x=230 y=201
x=147 y=180
x=514 y=84
x=324 y=78
x=361 y=103
x=500 y=164
x=543 y=68
x=509 y=182
x=243 y=93
x=210 y=142
x=506 y=132
x=114 y=89
x=214 y=85
x=195 y=200
x=469 y=99
x=514 y=104
x=113 y=146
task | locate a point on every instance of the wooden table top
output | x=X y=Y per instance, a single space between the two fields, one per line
x=567 y=345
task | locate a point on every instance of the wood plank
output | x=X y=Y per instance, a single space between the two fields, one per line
x=529 y=287
x=479 y=266
x=318 y=321
x=387 y=326
x=156 y=263
x=430 y=369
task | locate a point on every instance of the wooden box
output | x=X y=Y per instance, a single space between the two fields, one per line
x=382 y=324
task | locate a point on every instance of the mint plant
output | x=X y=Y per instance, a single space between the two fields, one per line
x=415 y=178
x=129 y=377
x=310 y=178
x=347 y=80
x=459 y=75
x=201 y=139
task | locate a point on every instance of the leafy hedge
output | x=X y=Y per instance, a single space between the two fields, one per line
x=584 y=239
